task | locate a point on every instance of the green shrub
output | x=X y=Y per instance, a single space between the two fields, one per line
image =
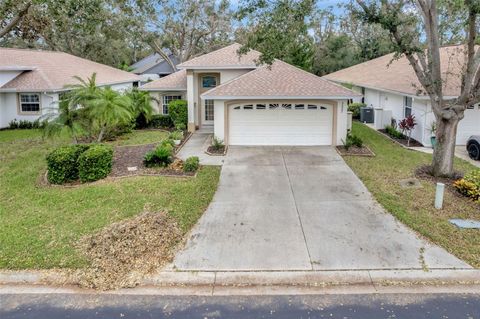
x=217 y=144
x=352 y=140
x=469 y=185
x=176 y=135
x=180 y=127
x=160 y=156
x=62 y=163
x=160 y=121
x=178 y=111
x=393 y=132
x=24 y=124
x=191 y=164
x=168 y=142
x=95 y=163
x=355 y=109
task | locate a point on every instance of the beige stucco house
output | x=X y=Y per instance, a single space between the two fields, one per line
x=32 y=80
x=391 y=87
x=248 y=104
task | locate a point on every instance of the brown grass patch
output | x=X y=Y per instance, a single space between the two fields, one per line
x=123 y=253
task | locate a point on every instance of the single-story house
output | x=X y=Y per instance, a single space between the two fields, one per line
x=153 y=67
x=32 y=80
x=391 y=87
x=244 y=103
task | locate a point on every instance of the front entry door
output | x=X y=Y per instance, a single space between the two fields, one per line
x=207 y=82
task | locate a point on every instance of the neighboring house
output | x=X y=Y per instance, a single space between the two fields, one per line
x=153 y=67
x=247 y=104
x=31 y=81
x=391 y=87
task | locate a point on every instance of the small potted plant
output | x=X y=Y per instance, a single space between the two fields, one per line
x=176 y=136
x=433 y=130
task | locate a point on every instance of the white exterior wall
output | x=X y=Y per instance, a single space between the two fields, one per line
x=228 y=75
x=9 y=108
x=219 y=119
x=342 y=122
x=121 y=86
x=191 y=101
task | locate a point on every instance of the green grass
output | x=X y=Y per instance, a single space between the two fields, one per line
x=414 y=207
x=39 y=225
x=141 y=137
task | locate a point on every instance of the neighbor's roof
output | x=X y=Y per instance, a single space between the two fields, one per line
x=51 y=71
x=280 y=80
x=173 y=82
x=385 y=73
x=226 y=57
x=149 y=62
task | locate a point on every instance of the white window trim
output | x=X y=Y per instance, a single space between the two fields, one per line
x=405 y=106
x=19 y=104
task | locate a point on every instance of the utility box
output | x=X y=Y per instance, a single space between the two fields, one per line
x=349 y=120
x=366 y=115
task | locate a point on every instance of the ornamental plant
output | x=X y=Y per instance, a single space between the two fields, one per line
x=469 y=185
x=407 y=125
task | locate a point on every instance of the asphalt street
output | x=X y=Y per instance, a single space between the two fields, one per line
x=368 y=306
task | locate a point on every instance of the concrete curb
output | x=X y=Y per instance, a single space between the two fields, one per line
x=224 y=282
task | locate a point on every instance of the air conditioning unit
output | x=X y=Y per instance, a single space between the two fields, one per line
x=366 y=115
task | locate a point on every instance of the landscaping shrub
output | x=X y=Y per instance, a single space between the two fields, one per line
x=24 y=124
x=217 y=144
x=178 y=111
x=355 y=109
x=176 y=135
x=62 y=163
x=469 y=185
x=161 y=121
x=191 y=164
x=160 y=156
x=352 y=140
x=168 y=142
x=393 y=132
x=95 y=163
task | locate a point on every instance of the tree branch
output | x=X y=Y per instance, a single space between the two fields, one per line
x=15 y=20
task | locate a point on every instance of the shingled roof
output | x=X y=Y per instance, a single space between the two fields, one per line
x=226 y=57
x=173 y=82
x=280 y=80
x=397 y=75
x=51 y=71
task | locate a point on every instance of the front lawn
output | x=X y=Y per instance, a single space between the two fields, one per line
x=40 y=225
x=414 y=206
x=141 y=137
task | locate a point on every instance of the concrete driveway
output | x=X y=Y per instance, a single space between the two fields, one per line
x=300 y=208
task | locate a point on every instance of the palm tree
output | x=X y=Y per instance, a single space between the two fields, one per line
x=142 y=109
x=109 y=108
x=72 y=109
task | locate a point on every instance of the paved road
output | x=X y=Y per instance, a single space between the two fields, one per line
x=300 y=208
x=82 y=306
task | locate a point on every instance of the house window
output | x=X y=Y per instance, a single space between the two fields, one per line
x=408 y=106
x=209 y=81
x=29 y=102
x=167 y=99
x=209 y=110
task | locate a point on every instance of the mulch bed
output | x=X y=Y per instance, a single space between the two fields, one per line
x=403 y=141
x=355 y=151
x=424 y=173
x=213 y=151
x=122 y=253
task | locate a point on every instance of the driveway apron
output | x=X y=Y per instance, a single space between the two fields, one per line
x=300 y=208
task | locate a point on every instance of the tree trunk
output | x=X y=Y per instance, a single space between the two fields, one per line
x=444 y=151
x=102 y=133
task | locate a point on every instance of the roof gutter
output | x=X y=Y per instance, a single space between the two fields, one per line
x=277 y=97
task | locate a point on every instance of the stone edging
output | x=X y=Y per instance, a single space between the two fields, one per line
x=215 y=154
x=361 y=155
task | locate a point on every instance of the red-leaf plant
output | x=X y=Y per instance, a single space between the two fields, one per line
x=407 y=125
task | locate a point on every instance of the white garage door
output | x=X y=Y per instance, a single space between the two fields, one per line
x=469 y=125
x=280 y=124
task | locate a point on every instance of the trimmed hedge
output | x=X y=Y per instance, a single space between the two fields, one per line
x=62 y=163
x=95 y=163
x=160 y=121
x=191 y=164
x=178 y=111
